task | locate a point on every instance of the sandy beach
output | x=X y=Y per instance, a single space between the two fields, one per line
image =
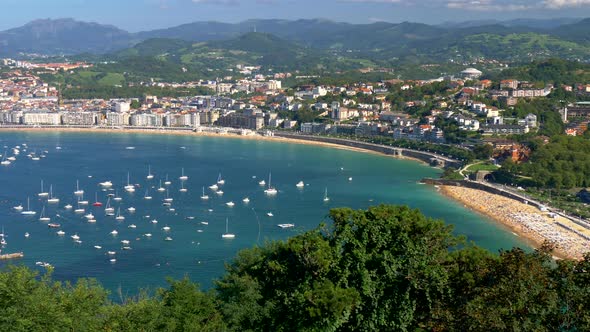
x=528 y=222
x=207 y=134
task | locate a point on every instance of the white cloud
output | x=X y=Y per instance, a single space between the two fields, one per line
x=557 y=4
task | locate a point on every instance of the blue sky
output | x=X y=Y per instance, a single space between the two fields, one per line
x=137 y=15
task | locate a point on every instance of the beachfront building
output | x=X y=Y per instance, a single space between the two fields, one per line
x=147 y=120
x=42 y=118
x=238 y=120
x=11 y=117
x=79 y=118
x=114 y=119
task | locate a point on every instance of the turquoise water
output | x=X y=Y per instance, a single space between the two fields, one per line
x=197 y=250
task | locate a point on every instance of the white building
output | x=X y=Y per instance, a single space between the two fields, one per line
x=117 y=119
x=41 y=118
x=79 y=118
x=122 y=106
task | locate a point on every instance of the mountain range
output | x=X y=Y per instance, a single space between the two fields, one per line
x=68 y=36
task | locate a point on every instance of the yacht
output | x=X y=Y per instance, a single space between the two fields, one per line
x=161 y=189
x=220 y=180
x=53 y=225
x=350 y=178
x=81 y=201
x=183 y=177
x=286 y=225
x=182 y=188
x=119 y=217
x=117 y=198
x=150 y=175
x=270 y=190
x=219 y=192
x=96 y=202
x=89 y=216
x=106 y=184
x=43 y=217
x=262 y=183
x=147 y=234
x=214 y=186
x=204 y=223
x=114 y=232
x=168 y=199
x=166 y=228
x=27 y=234
x=147 y=195
x=51 y=199
x=129 y=187
x=4 y=160
x=167 y=182
x=18 y=207
x=97 y=247
x=269 y=214
x=108 y=209
x=60 y=233
x=78 y=191
x=68 y=206
x=75 y=237
x=28 y=212
x=246 y=200
x=300 y=184
x=131 y=209
x=125 y=242
x=154 y=221
x=113 y=260
x=132 y=226
x=43 y=193
x=91 y=221
x=203 y=196
x=326 y=198
x=167 y=238
x=111 y=253
x=227 y=234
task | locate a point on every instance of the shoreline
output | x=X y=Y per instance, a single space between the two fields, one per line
x=255 y=137
x=530 y=224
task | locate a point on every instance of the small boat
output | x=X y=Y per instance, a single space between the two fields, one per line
x=219 y=192
x=75 y=237
x=119 y=217
x=4 y=160
x=91 y=221
x=113 y=260
x=350 y=179
x=147 y=234
x=214 y=186
x=167 y=182
x=220 y=180
x=182 y=188
x=28 y=212
x=132 y=226
x=129 y=187
x=81 y=200
x=171 y=209
x=230 y=204
x=78 y=241
x=43 y=193
x=167 y=238
x=18 y=207
x=125 y=242
x=183 y=177
x=60 y=233
x=79 y=210
x=150 y=175
x=126 y=248
x=106 y=184
x=11 y=158
x=78 y=191
x=111 y=253
x=51 y=199
x=168 y=199
x=190 y=217
x=114 y=232
x=154 y=221
x=262 y=183
x=227 y=234
x=147 y=195
x=326 y=198
x=246 y=200
x=27 y=235
x=300 y=184
x=68 y=206
x=117 y=198
x=43 y=217
x=89 y=216
x=269 y=214
x=270 y=190
x=130 y=148
x=131 y=209
x=53 y=225
x=204 y=223
x=96 y=202
x=166 y=228
x=161 y=189
x=199 y=231
x=97 y=247
x=108 y=209
x=203 y=196
x=167 y=204
x=286 y=225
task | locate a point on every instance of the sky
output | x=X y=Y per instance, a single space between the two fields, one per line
x=140 y=15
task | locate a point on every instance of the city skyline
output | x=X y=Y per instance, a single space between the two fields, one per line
x=139 y=15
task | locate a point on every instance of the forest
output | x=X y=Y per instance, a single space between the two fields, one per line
x=387 y=268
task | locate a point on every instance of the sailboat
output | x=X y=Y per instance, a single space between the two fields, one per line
x=161 y=189
x=203 y=196
x=147 y=195
x=183 y=177
x=52 y=199
x=117 y=198
x=300 y=184
x=78 y=192
x=150 y=175
x=182 y=188
x=28 y=211
x=168 y=199
x=4 y=160
x=129 y=188
x=119 y=217
x=167 y=182
x=326 y=198
x=108 y=209
x=227 y=234
x=2 y=239
x=43 y=217
x=220 y=180
x=43 y=193
x=81 y=201
x=96 y=202
x=79 y=209
x=270 y=190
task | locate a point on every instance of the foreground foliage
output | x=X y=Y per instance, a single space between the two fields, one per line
x=388 y=268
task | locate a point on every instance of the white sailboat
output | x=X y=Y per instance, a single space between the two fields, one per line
x=150 y=175
x=44 y=218
x=18 y=208
x=214 y=186
x=168 y=199
x=161 y=189
x=182 y=188
x=182 y=176
x=52 y=200
x=220 y=180
x=81 y=201
x=167 y=182
x=117 y=198
x=227 y=234
x=109 y=210
x=270 y=190
x=43 y=193
x=326 y=198
x=300 y=184
x=78 y=192
x=246 y=200
x=203 y=196
x=286 y=225
x=230 y=204
x=119 y=217
x=129 y=187
x=28 y=211
x=79 y=209
x=2 y=238
x=106 y=184
x=147 y=195
x=4 y=160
